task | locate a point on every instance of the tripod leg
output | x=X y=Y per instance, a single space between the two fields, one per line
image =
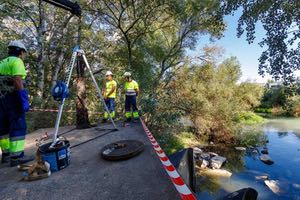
x=61 y=106
x=98 y=90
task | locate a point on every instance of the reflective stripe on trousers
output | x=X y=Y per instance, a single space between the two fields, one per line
x=12 y=126
x=130 y=104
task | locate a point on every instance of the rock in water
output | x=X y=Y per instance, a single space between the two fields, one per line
x=265 y=151
x=216 y=172
x=212 y=154
x=205 y=156
x=204 y=164
x=197 y=150
x=217 y=162
x=266 y=159
x=262 y=177
x=273 y=185
x=296 y=186
x=240 y=148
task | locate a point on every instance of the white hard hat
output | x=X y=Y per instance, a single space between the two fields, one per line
x=18 y=44
x=108 y=73
x=127 y=74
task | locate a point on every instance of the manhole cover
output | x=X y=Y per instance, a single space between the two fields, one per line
x=122 y=150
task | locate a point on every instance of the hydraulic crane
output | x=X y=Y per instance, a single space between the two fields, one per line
x=60 y=91
x=74 y=8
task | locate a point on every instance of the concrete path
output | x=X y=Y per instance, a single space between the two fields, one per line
x=89 y=176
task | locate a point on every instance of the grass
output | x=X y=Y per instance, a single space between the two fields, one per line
x=249 y=118
x=37 y=120
x=174 y=142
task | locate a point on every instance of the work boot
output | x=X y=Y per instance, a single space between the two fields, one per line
x=5 y=158
x=20 y=160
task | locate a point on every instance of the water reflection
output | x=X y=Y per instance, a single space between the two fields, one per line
x=284 y=149
x=282 y=134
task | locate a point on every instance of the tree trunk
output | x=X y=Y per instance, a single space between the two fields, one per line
x=82 y=118
x=40 y=69
x=59 y=62
x=41 y=55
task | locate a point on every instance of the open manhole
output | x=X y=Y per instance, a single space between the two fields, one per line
x=122 y=150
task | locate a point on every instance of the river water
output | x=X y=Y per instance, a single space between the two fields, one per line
x=284 y=149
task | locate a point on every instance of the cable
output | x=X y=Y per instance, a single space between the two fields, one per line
x=63 y=133
x=94 y=138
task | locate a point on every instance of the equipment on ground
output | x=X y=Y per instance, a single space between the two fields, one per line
x=122 y=150
x=60 y=91
x=62 y=94
x=242 y=194
x=58 y=156
x=6 y=86
x=38 y=170
x=184 y=163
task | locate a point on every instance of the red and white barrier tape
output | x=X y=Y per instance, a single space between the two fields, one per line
x=176 y=179
x=54 y=110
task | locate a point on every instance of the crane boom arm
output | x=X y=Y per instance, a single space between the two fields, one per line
x=74 y=8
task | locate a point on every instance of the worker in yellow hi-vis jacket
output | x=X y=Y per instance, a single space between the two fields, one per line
x=131 y=91
x=109 y=94
x=13 y=105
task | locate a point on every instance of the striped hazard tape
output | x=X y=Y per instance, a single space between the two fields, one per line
x=55 y=110
x=176 y=179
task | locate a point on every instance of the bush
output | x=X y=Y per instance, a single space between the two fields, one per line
x=171 y=142
x=248 y=137
x=37 y=120
x=209 y=96
x=249 y=118
x=263 y=110
x=293 y=106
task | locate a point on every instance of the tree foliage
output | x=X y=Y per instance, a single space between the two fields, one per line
x=281 y=21
x=210 y=97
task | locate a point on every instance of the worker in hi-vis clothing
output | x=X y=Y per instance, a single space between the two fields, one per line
x=13 y=105
x=131 y=91
x=109 y=94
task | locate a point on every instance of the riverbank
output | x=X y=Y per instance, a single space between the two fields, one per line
x=249 y=171
x=175 y=141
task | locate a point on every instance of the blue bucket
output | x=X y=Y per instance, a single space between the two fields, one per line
x=58 y=157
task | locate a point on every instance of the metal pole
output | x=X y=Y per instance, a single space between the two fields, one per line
x=97 y=88
x=61 y=106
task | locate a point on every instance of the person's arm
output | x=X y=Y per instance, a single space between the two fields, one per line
x=104 y=92
x=112 y=90
x=18 y=83
x=19 y=73
x=137 y=90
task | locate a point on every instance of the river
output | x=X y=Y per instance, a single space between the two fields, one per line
x=284 y=149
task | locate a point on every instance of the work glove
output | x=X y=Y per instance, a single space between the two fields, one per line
x=24 y=100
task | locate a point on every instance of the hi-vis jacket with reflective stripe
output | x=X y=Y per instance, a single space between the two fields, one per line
x=131 y=87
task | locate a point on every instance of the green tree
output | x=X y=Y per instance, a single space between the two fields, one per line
x=280 y=19
x=210 y=96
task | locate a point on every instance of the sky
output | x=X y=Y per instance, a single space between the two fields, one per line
x=247 y=54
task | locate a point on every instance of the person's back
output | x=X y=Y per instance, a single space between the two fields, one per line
x=13 y=105
x=12 y=66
